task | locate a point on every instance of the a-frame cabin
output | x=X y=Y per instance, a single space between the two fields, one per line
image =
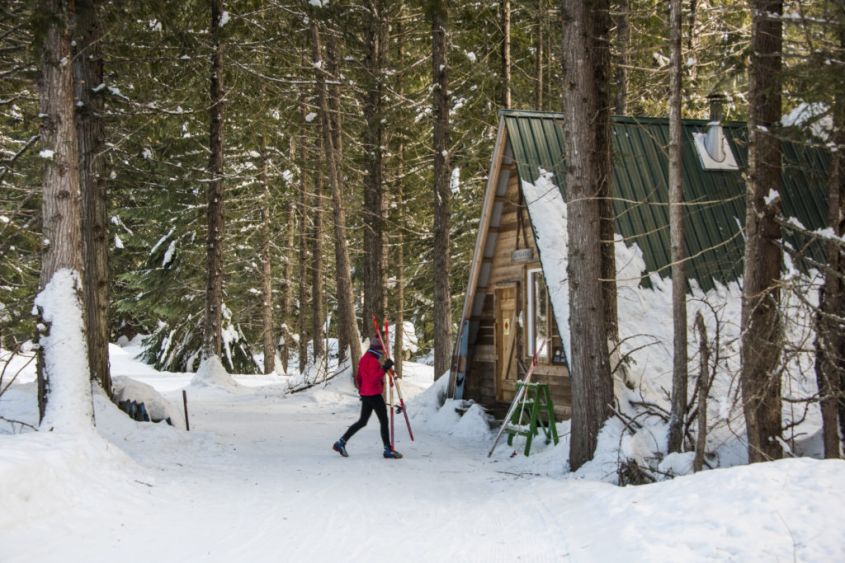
x=517 y=293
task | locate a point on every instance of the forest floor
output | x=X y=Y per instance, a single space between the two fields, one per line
x=256 y=480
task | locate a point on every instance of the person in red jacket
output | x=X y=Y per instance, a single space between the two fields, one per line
x=370 y=384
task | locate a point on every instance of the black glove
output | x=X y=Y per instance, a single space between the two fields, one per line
x=387 y=365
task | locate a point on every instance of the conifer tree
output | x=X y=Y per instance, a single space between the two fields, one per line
x=587 y=126
x=438 y=15
x=761 y=326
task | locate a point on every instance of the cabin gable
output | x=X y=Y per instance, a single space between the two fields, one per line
x=522 y=238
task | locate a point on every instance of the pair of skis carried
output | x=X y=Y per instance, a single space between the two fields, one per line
x=393 y=381
x=517 y=399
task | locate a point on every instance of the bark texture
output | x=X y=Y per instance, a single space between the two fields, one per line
x=539 y=49
x=302 y=220
x=620 y=74
x=213 y=333
x=762 y=339
x=287 y=287
x=587 y=126
x=318 y=315
x=268 y=338
x=505 y=9
x=88 y=73
x=345 y=297
x=61 y=197
x=336 y=124
x=442 y=194
x=830 y=339
x=676 y=234
x=375 y=36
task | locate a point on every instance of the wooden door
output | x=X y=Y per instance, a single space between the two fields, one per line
x=506 y=330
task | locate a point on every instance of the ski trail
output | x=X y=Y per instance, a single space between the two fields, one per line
x=274 y=455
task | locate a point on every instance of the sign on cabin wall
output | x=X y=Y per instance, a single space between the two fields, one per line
x=522 y=255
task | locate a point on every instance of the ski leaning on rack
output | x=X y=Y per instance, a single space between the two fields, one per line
x=517 y=398
x=393 y=380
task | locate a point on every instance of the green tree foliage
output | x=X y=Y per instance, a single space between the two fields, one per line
x=156 y=56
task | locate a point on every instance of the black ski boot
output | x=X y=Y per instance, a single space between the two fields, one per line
x=340 y=447
x=390 y=453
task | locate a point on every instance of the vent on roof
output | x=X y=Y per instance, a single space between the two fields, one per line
x=712 y=147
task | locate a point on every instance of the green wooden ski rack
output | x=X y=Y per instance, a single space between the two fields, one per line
x=536 y=405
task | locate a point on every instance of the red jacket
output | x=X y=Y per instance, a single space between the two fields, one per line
x=370 y=377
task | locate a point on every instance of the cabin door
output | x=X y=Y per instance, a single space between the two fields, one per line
x=506 y=330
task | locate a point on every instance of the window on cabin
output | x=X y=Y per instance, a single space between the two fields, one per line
x=542 y=329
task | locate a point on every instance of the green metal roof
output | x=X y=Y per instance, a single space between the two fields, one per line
x=713 y=220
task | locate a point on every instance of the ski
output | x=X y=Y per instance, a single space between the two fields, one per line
x=393 y=380
x=517 y=398
x=390 y=404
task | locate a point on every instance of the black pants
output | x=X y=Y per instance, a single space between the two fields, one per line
x=368 y=405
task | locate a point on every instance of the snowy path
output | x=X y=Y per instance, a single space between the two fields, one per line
x=256 y=480
x=279 y=468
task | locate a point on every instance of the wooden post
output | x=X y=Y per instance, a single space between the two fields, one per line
x=185 y=405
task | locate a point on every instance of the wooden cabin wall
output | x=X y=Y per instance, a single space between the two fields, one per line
x=481 y=379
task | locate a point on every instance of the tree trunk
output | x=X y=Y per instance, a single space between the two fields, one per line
x=268 y=332
x=505 y=7
x=399 y=314
x=375 y=33
x=61 y=380
x=761 y=327
x=623 y=38
x=400 y=276
x=287 y=288
x=317 y=312
x=703 y=390
x=213 y=334
x=345 y=297
x=830 y=365
x=676 y=234
x=608 y=217
x=438 y=12
x=334 y=97
x=88 y=71
x=302 y=327
x=587 y=128
x=839 y=125
x=539 y=48
x=287 y=273
x=336 y=124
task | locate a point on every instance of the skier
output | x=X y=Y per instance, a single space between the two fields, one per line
x=370 y=384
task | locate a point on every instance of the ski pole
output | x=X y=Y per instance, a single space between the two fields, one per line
x=395 y=381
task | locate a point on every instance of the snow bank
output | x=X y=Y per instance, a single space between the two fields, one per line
x=433 y=412
x=646 y=346
x=159 y=409
x=646 y=335
x=262 y=471
x=65 y=354
x=43 y=470
x=211 y=373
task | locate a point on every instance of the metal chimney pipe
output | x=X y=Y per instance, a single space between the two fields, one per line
x=715 y=140
x=716 y=99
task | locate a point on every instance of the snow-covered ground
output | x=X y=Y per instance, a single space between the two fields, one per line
x=256 y=480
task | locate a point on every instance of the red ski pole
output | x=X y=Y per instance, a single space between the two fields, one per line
x=394 y=381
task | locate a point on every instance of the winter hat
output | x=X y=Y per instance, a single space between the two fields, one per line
x=375 y=343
